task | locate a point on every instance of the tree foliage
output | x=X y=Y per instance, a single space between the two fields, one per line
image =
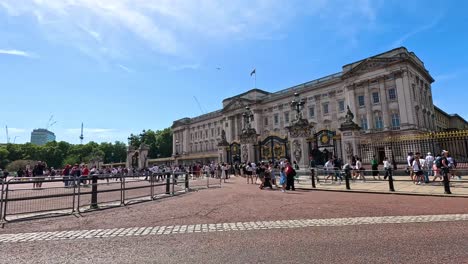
x=159 y=142
x=58 y=154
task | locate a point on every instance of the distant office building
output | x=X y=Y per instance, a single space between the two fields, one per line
x=41 y=136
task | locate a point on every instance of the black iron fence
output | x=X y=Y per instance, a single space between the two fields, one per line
x=25 y=198
x=455 y=181
x=396 y=148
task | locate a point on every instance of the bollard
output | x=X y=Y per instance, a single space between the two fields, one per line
x=186 y=181
x=348 y=187
x=94 y=191
x=390 y=181
x=312 y=176
x=446 y=181
x=168 y=184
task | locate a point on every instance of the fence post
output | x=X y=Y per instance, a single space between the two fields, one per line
x=152 y=186
x=390 y=180
x=187 y=182
x=2 y=200
x=312 y=177
x=94 y=187
x=122 y=190
x=168 y=184
x=348 y=186
x=173 y=183
x=446 y=181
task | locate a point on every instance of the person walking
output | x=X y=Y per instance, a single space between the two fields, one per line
x=283 y=179
x=375 y=167
x=418 y=170
x=290 y=174
x=429 y=163
x=388 y=168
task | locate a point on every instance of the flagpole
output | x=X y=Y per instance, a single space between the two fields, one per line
x=255 y=80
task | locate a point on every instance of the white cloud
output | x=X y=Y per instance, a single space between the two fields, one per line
x=104 y=28
x=14 y=52
x=13 y=130
x=124 y=68
x=194 y=66
x=432 y=23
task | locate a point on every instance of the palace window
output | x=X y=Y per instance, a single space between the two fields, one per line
x=378 y=121
x=286 y=117
x=395 y=121
x=341 y=106
x=266 y=121
x=219 y=131
x=392 y=94
x=325 y=109
x=311 y=112
x=361 y=102
x=276 y=117
x=364 y=123
x=375 y=98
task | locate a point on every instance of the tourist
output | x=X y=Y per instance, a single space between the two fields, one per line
x=223 y=172
x=249 y=174
x=261 y=170
x=429 y=163
x=84 y=175
x=254 y=171
x=417 y=170
x=388 y=168
x=337 y=164
x=274 y=171
x=359 y=170
x=38 y=173
x=444 y=165
x=409 y=170
x=283 y=179
x=436 y=168
x=290 y=174
x=375 y=167
x=66 y=175
x=328 y=167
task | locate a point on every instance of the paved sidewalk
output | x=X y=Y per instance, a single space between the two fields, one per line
x=459 y=188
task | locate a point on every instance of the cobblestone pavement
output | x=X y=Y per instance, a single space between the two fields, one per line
x=239 y=223
x=225 y=227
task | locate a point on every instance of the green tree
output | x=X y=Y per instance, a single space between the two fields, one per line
x=4 y=155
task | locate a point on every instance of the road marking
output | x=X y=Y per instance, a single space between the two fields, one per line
x=225 y=227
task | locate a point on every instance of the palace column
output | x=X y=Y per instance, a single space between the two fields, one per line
x=368 y=104
x=384 y=103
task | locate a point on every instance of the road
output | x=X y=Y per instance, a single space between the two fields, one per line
x=241 y=224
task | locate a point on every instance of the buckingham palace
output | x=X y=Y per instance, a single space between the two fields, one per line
x=384 y=95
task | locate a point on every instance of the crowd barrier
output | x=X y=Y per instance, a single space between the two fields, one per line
x=22 y=198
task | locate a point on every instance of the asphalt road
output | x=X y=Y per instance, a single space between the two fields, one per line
x=433 y=242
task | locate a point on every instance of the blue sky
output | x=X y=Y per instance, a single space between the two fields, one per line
x=121 y=66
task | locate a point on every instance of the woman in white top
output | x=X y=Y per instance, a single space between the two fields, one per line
x=358 y=170
x=223 y=172
x=387 y=167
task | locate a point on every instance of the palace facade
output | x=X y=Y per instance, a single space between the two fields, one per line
x=389 y=94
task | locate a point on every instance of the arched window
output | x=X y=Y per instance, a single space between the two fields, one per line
x=363 y=122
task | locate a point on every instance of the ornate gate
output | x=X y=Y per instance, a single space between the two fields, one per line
x=325 y=144
x=273 y=148
x=234 y=153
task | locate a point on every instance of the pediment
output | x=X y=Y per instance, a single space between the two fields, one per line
x=370 y=65
x=238 y=103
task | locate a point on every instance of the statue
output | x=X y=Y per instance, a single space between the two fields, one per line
x=223 y=135
x=349 y=116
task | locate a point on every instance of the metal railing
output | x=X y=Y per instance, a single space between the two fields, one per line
x=20 y=198
x=350 y=177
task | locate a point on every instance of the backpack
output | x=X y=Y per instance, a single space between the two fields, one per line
x=293 y=173
x=438 y=162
